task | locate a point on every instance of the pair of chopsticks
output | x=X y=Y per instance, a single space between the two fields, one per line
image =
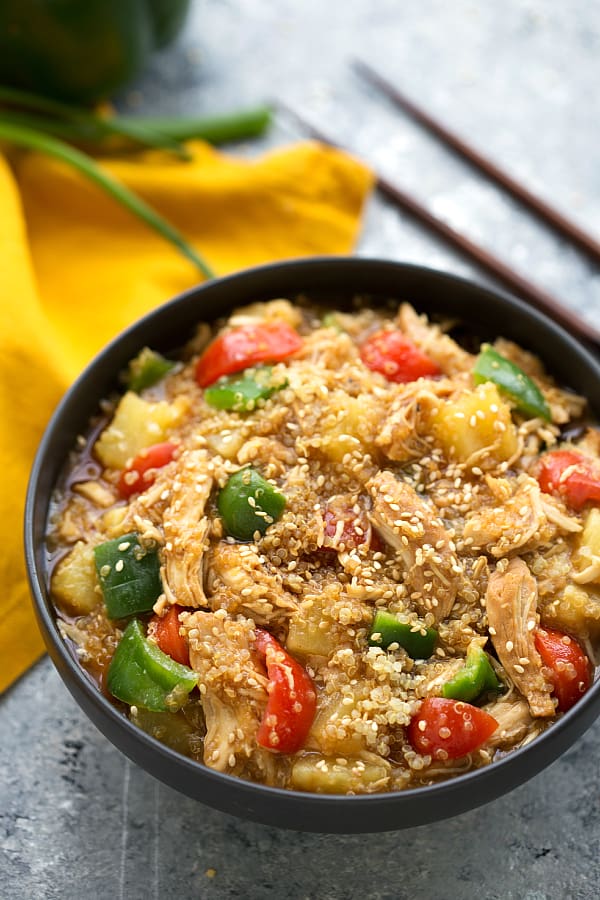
x=534 y=295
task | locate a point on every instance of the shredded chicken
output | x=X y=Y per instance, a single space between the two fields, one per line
x=232 y=685
x=409 y=525
x=96 y=492
x=146 y=510
x=330 y=356
x=555 y=511
x=398 y=498
x=523 y=522
x=514 y=722
x=404 y=429
x=564 y=405
x=240 y=580
x=186 y=530
x=438 y=346
x=511 y=602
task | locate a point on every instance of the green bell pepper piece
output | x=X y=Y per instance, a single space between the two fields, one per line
x=170 y=728
x=330 y=320
x=386 y=629
x=82 y=50
x=129 y=576
x=147 y=369
x=512 y=381
x=475 y=677
x=241 y=394
x=142 y=675
x=248 y=504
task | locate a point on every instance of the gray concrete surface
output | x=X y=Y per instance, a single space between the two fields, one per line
x=520 y=78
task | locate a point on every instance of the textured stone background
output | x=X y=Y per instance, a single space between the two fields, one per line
x=521 y=79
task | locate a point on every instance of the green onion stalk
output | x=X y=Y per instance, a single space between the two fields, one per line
x=29 y=139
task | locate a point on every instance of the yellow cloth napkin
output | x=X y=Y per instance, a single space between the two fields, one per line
x=76 y=268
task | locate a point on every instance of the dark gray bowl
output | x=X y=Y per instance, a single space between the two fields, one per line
x=488 y=313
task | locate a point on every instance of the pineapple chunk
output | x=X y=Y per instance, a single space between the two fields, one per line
x=136 y=424
x=270 y=311
x=309 y=632
x=330 y=775
x=476 y=427
x=587 y=558
x=112 y=521
x=347 y=426
x=171 y=728
x=332 y=731
x=74 y=583
x=590 y=537
x=226 y=443
x=575 y=610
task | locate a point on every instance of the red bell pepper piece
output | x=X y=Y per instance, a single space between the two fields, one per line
x=355 y=532
x=570 y=667
x=396 y=357
x=449 y=729
x=571 y=475
x=141 y=472
x=165 y=631
x=246 y=346
x=292 y=699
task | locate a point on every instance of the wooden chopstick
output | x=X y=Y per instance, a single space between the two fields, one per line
x=534 y=295
x=543 y=210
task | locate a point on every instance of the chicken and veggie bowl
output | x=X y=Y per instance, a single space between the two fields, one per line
x=334 y=551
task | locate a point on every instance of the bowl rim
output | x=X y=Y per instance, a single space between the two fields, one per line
x=552 y=738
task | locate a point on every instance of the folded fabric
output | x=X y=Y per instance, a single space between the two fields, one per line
x=76 y=268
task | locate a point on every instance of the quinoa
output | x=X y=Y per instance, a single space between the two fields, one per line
x=413 y=498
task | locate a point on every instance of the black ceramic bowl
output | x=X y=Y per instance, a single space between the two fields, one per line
x=333 y=280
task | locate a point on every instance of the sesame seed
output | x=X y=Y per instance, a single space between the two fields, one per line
x=330 y=440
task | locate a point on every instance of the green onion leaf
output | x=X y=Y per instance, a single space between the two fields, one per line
x=33 y=140
x=132 y=129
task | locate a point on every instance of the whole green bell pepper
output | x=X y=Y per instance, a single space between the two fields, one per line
x=82 y=50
